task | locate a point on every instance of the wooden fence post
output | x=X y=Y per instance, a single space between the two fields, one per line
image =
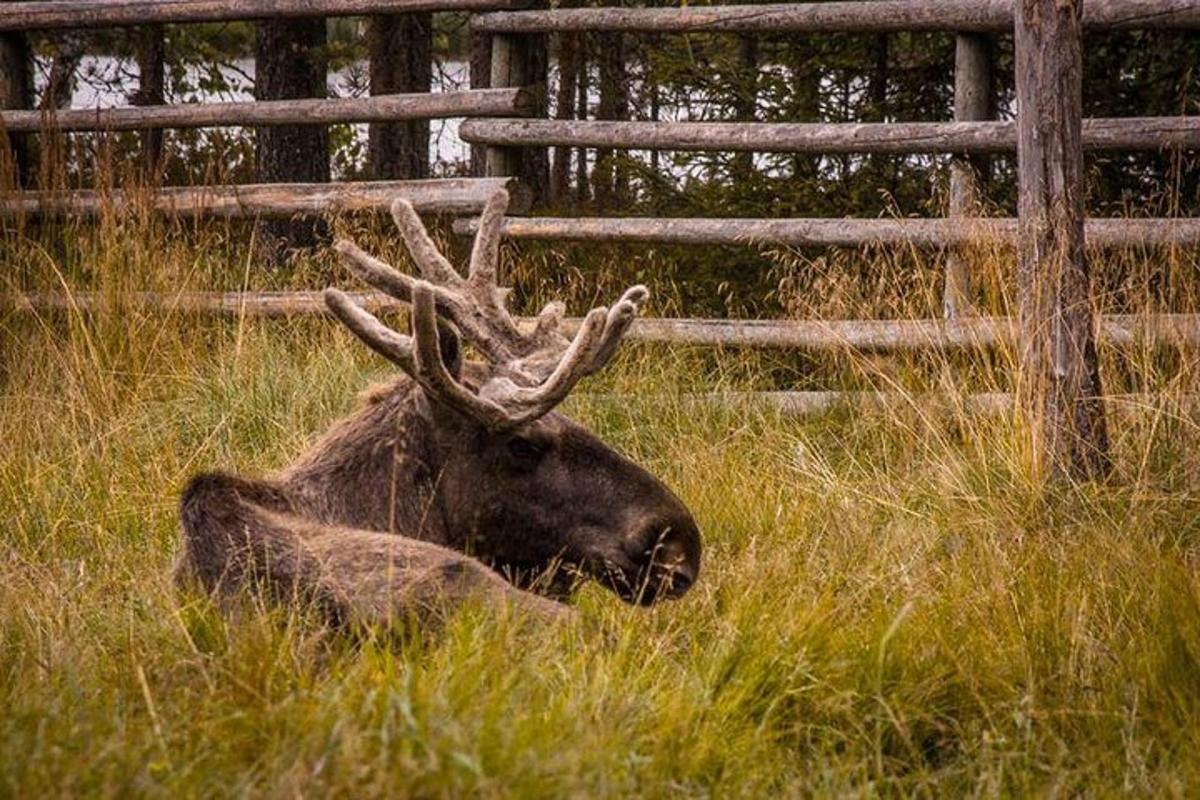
x=972 y=103
x=1060 y=379
x=508 y=69
x=521 y=61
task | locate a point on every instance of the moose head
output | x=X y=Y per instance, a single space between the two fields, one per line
x=508 y=479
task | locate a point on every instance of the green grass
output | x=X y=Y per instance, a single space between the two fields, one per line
x=889 y=602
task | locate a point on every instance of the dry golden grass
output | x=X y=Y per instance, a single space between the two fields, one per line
x=889 y=604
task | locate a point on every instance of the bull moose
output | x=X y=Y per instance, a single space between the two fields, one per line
x=456 y=473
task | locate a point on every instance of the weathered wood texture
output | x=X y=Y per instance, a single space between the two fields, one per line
x=521 y=61
x=797 y=403
x=981 y=138
x=441 y=196
x=507 y=69
x=868 y=335
x=478 y=102
x=49 y=14
x=879 y=16
x=972 y=103
x=1060 y=376
x=800 y=232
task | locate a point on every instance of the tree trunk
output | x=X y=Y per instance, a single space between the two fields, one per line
x=583 y=192
x=68 y=46
x=290 y=64
x=653 y=90
x=878 y=83
x=806 y=94
x=481 y=78
x=535 y=161
x=1060 y=382
x=564 y=108
x=746 y=99
x=151 y=49
x=401 y=61
x=607 y=178
x=877 y=88
x=16 y=91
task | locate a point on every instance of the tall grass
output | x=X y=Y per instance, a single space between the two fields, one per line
x=889 y=603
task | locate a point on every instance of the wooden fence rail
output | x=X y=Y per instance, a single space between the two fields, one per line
x=801 y=232
x=435 y=196
x=50 y=14
x=1053 y=337
x=873 y=16
x=1136 y=133
x=378 y=108
x=861 y=335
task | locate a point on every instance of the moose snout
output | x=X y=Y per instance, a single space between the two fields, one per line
x=667 y=552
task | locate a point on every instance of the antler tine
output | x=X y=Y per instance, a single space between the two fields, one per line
x=431 y=371
x=529 y=403
x=393 y=346
x=620 y=317
x=485 y=253
x=432 y=263
x=384 y=277
x=531 y=371
x=549 y=318
x=378 y=273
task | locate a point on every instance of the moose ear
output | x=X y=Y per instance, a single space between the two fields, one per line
x=451 y=346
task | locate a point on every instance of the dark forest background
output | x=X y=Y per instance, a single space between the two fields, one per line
x=786 y=77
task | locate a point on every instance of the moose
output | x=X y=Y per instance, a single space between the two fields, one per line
x=457 y=479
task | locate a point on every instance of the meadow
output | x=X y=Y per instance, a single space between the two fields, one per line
x=891 y=603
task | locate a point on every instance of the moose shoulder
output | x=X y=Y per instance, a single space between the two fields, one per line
x=455 y=465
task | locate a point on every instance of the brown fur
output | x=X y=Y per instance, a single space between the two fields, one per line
x=453 y=459
x=443 y=486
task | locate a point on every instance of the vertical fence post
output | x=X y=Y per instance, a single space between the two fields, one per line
x=509 y=68
x=1060 y=379
x=972 y=103
x=521 y=61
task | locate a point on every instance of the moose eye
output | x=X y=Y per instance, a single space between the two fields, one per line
x=524 y=449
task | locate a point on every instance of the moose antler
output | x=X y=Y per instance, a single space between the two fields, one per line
x=532 y=371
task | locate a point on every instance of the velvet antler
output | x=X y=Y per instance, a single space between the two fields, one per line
x=532 y=371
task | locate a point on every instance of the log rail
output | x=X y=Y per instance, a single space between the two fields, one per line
x=905 y=335
x=33 y=15
x=273 y=200
x=876 y=16
x=811 y=232
x=377 y=108
x=982 y=138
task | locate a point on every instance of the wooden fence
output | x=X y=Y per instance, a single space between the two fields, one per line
x=451 y=196
x=1049 y=137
